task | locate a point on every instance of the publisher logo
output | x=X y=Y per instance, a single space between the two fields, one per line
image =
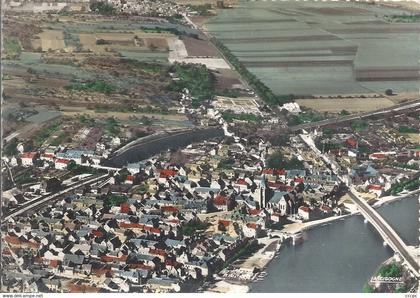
x=385 y=279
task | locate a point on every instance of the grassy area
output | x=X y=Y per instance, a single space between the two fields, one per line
x=202 y=10
x=228 y=93
x=304 y=117
x=10 y=148
x=93 y=86
x=111 y=126
x=409 y=185
x=229 y=117
x=359 y=125
x=41 y=136
x=60 y=139
x=173 y=31
x=12 y=47
x=406 y=129
x=262 y=90
x=114 y=200
x=390 y=270
x=103 y=8
x=130 y=109
x=226 y=163
x=197 y=79
x=278 y=161
x=191 y=227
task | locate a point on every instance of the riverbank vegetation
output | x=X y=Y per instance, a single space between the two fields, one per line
x=409 y=185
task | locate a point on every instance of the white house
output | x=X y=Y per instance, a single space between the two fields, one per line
x=61 y=164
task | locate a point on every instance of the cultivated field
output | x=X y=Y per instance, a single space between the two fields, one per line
x=51 y=40
x=321 y=48
x=353 y=105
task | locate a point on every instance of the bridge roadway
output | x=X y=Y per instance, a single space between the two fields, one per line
x=35 y=203
x=378 y=222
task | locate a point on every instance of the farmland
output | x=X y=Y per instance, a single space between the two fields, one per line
x=321 y=48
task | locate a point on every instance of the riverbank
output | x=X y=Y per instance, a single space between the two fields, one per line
x=238 y=277
x=406 y=275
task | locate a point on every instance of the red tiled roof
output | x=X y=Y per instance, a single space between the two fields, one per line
x=252 y=225
x=220 y=200
x=159 y=252
x=254 y=211
x=28 y=155
x=299 y=179
x=165 y=173
x=152 y=230
x=61 y=160
x=351 y=142
x=241 y=182
x=169 y=209
x=97 y=233
x=140 y=266
x=53 y=263
x=305 y=209
x=101 y=271
x=130 y=225
x=74 y=288
x=12 y=240
x=130 y=178
x=48 y=155
x=326 y=208
x=274 y=171
x=375 y=187
x=125 y=208
x=226 y=223
x=108 y=259
x=174 y=220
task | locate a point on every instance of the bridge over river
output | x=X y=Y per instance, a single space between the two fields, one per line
x=378 y=222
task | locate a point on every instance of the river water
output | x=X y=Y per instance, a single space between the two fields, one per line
x=340 y=256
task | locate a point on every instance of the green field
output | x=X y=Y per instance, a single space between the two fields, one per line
x=314 y=48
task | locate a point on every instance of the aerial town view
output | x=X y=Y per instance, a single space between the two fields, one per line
x=210 y=146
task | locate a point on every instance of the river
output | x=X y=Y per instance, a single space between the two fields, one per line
x=340 y=256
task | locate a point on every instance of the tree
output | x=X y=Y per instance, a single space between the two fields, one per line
x=389 y=92
x=313 y=202
x=71 y=166
x=11 y=148
x=344 y=113
x=275 y=161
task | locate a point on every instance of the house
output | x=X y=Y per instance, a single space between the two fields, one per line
x=252 y=230
x=47 y=157
x=220 y=202
x=274 y=202
x=61 y=164
x=129 y=179
x=305 y=212
x=28 y=158
x=375 y=189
